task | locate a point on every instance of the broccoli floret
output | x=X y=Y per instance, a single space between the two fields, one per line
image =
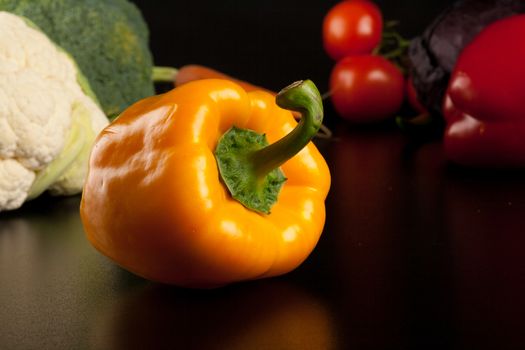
x=108 y=40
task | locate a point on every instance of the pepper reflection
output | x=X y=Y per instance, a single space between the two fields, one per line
x=485 y=220
x=364 y=215
x=270 y=314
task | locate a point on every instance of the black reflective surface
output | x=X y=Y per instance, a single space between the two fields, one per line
x=416 y=253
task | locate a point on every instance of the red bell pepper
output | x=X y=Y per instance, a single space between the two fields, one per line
x=484 y=105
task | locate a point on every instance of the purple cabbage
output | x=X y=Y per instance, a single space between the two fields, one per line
x=433 y=55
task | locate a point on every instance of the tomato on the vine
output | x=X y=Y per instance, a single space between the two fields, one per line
x=352 y=27
x=366 y=88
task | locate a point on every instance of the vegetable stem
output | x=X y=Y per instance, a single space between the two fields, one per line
x=161 y=74
x=249 y=167
x=73 y=146
x=303 y=97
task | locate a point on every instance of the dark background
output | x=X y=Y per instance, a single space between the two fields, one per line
x=416 y=253
x=269 y=43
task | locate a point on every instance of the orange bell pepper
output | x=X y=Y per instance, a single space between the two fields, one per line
x=160 y=203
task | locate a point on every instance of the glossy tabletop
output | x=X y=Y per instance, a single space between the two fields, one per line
x=416 y=253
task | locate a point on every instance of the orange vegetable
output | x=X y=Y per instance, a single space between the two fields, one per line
x=162 y=205
x=196 y=72
x=192 y=72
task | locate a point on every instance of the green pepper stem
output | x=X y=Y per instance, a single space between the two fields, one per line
x=164 y=74
x=249 y=167
x=303 y=97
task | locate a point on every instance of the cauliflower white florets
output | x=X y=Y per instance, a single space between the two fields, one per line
x=47 y=122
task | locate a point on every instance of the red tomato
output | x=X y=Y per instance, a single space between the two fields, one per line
x=352 y=27
x=366 y=88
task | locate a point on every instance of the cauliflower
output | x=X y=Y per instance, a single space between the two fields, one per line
x=48 y=121
x=108 y=39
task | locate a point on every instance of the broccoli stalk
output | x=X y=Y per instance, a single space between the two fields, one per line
x=164 y=74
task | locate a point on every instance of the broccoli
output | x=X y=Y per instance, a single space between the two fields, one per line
x=108 y=39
